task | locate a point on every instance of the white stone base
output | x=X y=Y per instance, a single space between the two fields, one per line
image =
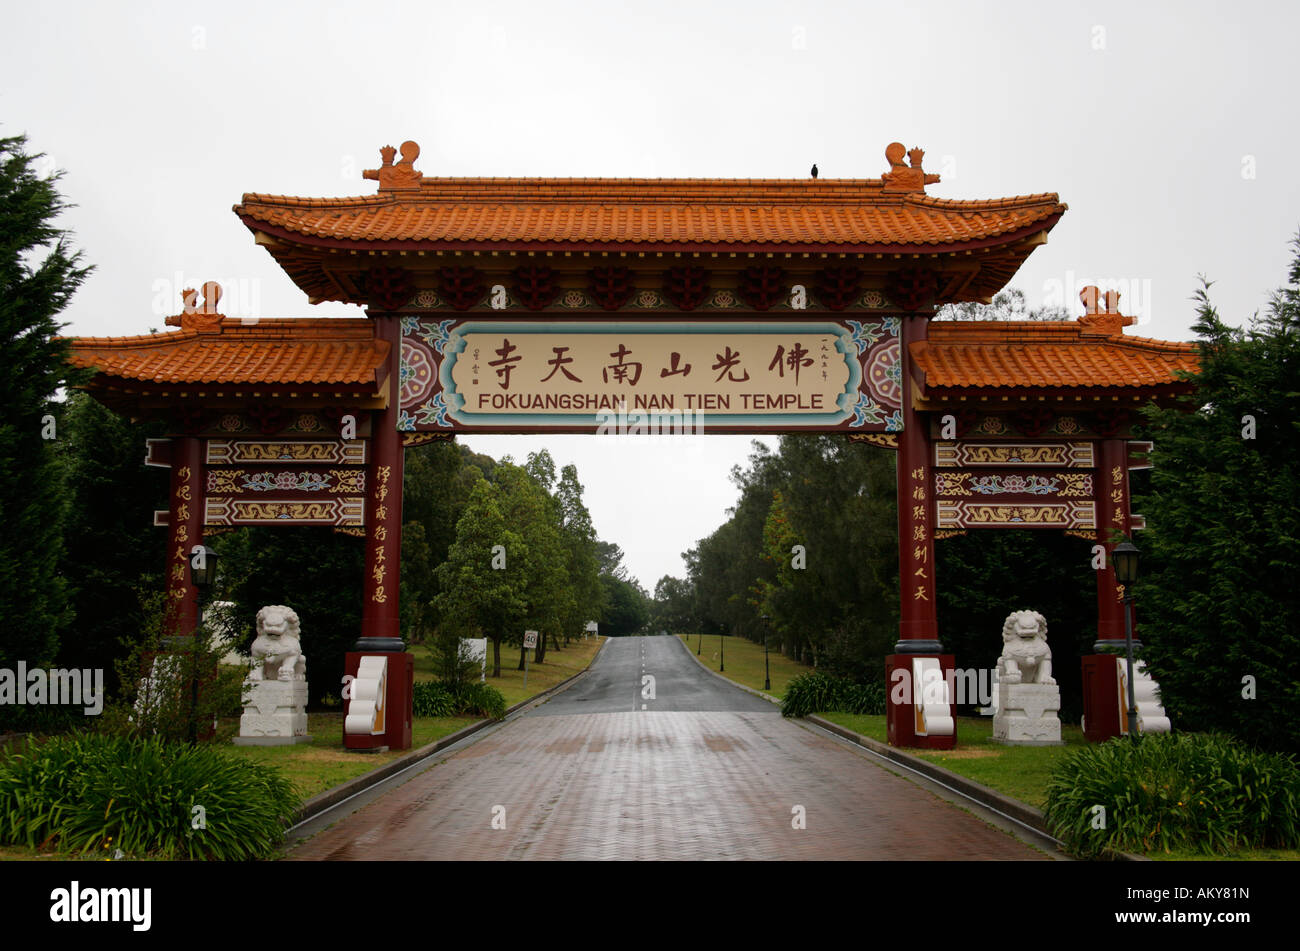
x=1026 y=715
x=275 y=713
x=270 y=740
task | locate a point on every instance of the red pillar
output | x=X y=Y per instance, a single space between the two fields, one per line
x=185 y=530
x=918 y=622
x=380 y=616
x=1111 y=491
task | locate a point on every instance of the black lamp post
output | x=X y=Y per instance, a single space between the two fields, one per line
x=1125 y=560
x=203 y=567
x=722 y=647
x=767 y=670
x=700 y=646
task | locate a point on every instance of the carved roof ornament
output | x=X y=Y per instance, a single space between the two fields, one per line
x=902 y=178
x=1101 y=316
x=202 y=318
x=400 y=176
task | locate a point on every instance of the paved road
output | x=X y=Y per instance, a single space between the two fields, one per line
x=614 y=684
x=704 y=771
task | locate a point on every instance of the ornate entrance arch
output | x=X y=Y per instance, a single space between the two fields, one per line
x=552 y=305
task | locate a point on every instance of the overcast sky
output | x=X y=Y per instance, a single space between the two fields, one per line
x=1168 y=128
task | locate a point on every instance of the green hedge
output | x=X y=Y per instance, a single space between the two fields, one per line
x=438 y=699
x=818 y=693
x=1189 y=791
x=98 y=793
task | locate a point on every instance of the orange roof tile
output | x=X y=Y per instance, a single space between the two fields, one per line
x=338 y=351
x=1044 y=354
x=767 y=213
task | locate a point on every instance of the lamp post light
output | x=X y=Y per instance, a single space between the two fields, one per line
x=1125 y=560
x=767 y=670
x=203 y=567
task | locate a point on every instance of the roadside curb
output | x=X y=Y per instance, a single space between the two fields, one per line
x=1022 y=812
x=331 y=797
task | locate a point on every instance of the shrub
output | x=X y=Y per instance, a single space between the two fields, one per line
x=817 y=692
x=1189 y=791
x=174 y=687
x=868 y=698
x=484 y=700
x=438 y=699
x=88 y=792
x=432 y=699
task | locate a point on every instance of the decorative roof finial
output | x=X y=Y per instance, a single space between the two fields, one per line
x=399 y=176
x=901 y=178
x=202 y=318
x=1101 y=313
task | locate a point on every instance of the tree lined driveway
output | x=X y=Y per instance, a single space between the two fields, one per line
x=684 y=767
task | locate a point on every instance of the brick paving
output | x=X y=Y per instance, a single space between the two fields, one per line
x=659 y=785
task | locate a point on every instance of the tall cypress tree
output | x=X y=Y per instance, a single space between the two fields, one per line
x=38 y=275
x=1217 y=598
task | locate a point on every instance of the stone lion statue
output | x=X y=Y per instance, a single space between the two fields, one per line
x=277 y=652
x=1026 y=658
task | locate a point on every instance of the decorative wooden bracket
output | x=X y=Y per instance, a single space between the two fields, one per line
x=686 y=286
x=536 y=285
x=462 y=287
x=387 y=288
x=760 y=286
x=839 y=286
x=610 y=286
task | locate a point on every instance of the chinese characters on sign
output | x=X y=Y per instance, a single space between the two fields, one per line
x=379 y=532
x=922 y=583
x=472 y=373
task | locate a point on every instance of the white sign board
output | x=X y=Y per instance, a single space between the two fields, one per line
x=530 y=639
x=475 y=648
x=593 y=627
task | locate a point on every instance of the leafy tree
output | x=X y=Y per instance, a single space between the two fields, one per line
x=610 y=558
x=111 y=552
x=38 y=275
x=479 y=599
x=627 y=610
x=579 y=540
x=1216 y=595
x=674 y=606
x=527 y=507
x=436 y=485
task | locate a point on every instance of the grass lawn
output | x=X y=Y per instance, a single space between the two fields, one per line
x=1020 y=772
x=744 y=661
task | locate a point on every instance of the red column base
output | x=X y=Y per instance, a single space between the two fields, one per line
x=398 y=699
x=901 y=716
x=1100 y=697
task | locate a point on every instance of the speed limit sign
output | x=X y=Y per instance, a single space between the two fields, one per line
x=530 y=639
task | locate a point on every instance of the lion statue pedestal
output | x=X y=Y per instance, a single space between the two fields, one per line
x=1028 y=698
x=275 y=692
